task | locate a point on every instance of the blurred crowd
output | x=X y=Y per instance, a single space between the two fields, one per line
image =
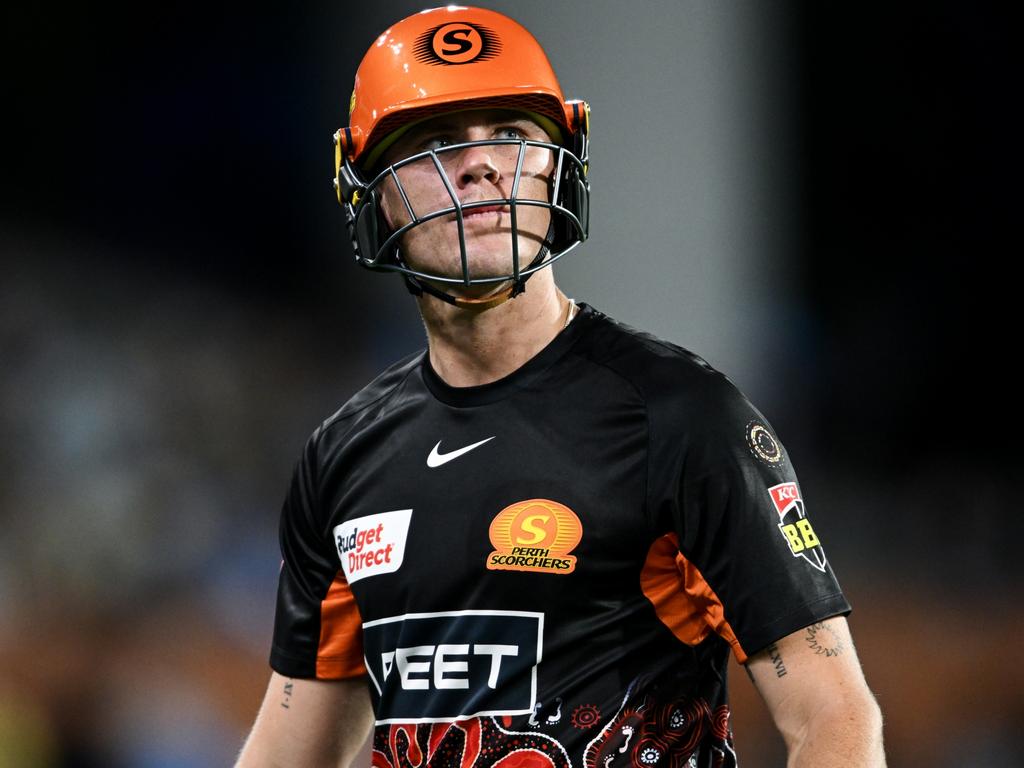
x=149 y=429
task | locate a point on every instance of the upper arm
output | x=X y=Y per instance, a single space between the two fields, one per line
x=317 y=709
x=811 y=676
x=732 y=497
x=309 y=722
x=317 y=624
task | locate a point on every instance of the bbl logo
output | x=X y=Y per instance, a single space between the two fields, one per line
x=795 y=526
x=456 y=43
x=535 y=535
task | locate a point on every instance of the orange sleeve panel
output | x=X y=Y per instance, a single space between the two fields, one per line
x=340 y=653
x=683 y=601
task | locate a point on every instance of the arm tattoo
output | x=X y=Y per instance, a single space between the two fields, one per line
x=824 y=641
x=288 y=688
x=776 y=657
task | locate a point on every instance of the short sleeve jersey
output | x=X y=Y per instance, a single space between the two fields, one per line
x=551 y=569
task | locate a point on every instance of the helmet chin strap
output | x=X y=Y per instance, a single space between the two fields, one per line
x=418 y=287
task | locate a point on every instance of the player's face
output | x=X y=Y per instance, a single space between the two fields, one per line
x=475 y=173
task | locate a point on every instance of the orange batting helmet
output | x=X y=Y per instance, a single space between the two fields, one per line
x=440 y=61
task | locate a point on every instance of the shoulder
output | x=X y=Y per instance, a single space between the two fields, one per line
x=662 y=372
x=369 y=401
x=690 y=404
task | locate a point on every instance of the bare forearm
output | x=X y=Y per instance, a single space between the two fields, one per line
x=845 y=735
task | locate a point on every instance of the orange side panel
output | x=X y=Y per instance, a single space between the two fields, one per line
x=682 y=599
x=341 y=645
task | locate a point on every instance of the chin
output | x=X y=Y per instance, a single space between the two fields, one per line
x=488 y=257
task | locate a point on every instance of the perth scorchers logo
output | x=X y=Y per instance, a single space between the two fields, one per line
x=537 y=535
x=456 y=43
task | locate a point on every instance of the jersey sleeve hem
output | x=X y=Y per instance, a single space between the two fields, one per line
x=817 y=610
x=321 y=668
x=291 y=665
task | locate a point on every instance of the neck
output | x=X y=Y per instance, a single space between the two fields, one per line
x=471 y=347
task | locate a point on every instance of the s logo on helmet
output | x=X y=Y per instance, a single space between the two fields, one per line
x=456 y=43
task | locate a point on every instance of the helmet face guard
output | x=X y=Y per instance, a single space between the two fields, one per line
x=447 y=60
x=378 y=247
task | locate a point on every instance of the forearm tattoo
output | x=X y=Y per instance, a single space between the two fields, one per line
x=824 y=640
x=286 y=702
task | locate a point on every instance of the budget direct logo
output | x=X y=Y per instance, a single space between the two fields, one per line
x=795 y=526
x=372 y=545
x=453 y=665
x=537 y=536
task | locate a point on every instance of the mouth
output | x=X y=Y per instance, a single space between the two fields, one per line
x=483 y=213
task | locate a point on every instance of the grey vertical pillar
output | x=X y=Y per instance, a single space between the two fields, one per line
x=692 y=157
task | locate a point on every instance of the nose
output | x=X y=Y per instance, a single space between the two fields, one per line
x=477 y=164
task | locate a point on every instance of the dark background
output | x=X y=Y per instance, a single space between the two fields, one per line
x=178 y=311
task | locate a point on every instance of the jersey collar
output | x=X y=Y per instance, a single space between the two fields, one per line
x=519 y=379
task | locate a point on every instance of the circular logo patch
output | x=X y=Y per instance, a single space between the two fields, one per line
x=535 y=535
x=763 y=444
x=457 y=42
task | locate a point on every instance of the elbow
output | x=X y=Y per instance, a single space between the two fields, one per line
x=846 y=732
x=868 y=716
x=859 y=710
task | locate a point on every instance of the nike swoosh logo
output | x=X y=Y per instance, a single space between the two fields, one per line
x=436 y=458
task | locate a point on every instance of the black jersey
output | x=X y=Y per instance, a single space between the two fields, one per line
x=551 y=569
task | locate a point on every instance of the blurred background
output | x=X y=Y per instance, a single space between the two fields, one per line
x=815 y=197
